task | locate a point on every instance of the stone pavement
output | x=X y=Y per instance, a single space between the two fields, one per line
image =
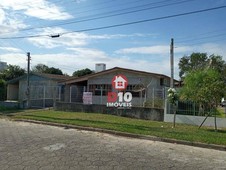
x=32 y=146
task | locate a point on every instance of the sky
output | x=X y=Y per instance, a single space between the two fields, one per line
x=134 y=34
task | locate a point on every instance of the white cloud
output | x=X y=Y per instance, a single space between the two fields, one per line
x=117 y=36
x=161 y=49
x=15 y=59
x=11 y=49
x=13 y=14
x=209 y=48
x=68 y=40
x=74 y=39
x=90 y=54
x=40 y=9
x=79 y=58
x=9 y=23
x=86 y=58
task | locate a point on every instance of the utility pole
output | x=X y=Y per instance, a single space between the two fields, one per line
x=172 y=63
x=28 y=79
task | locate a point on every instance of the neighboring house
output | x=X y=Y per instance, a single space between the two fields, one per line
x=142 y=85
x=43 y=89
x=3 y=65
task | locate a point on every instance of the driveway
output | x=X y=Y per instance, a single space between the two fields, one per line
x=33 y=146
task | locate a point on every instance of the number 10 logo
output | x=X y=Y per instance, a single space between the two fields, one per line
x=113 y=97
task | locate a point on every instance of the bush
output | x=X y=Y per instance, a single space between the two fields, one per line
x=2 y=90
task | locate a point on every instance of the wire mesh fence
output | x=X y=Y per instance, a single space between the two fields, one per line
x=44 y=96
x=187 y=107
x=150 y=98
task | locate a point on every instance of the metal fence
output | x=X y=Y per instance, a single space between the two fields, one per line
x=151 y=98
x=44 y=96
x=155 y=98
x=187 y=107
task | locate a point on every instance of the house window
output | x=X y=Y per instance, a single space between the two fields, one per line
x=135 y=90
x=97 y=89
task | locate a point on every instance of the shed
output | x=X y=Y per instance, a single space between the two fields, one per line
x=44 y=89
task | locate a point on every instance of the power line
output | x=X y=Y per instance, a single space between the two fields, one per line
x=201 y=38
x=107 y=16
x=192 y=44
x=124 y=24
x=54 y=3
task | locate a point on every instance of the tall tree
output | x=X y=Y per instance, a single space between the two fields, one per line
x=197 y=61
x=42 y=68
x=12 y=71
x=82 y=72
x=53 y=70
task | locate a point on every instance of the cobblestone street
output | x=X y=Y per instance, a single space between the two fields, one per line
x=33 y=146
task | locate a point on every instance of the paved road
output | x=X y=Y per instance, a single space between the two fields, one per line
x=32 y=146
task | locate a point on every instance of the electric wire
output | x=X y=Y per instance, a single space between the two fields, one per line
x=123 y=24
x=106 y=16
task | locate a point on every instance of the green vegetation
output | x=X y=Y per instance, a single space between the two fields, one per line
x=2 y=89
x=135 y=126
x=10 y=110
x=42 y=68
x=204 y=82
x=82 y=72
x=221 y=112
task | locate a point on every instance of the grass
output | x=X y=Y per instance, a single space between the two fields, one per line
x=6 y=110
x=135 y=126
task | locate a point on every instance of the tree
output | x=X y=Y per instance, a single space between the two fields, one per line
x=53 y=70
x=205 y=87
x=41 y=68
x=173 y=98
x=82 y=72
x=11 y=72
x=197 y=61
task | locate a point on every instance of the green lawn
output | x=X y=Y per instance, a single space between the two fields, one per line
x=6 y=110
x=135 y=126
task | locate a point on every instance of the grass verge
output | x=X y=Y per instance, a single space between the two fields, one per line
x=135 y=126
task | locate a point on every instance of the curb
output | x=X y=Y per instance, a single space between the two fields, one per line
x=130 y=135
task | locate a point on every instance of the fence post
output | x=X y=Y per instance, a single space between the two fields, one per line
x=59 y=91
x=101 y=94
x=163 y=97
x=194 y=109
x=70 y=93
x=44 y=93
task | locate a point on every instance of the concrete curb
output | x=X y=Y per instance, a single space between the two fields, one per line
x=124 y=134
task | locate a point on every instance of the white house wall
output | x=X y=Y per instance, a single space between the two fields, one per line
x=152 y=82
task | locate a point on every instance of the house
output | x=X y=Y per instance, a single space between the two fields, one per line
x=142 y=85
x=43 y=89
x=3 y=65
